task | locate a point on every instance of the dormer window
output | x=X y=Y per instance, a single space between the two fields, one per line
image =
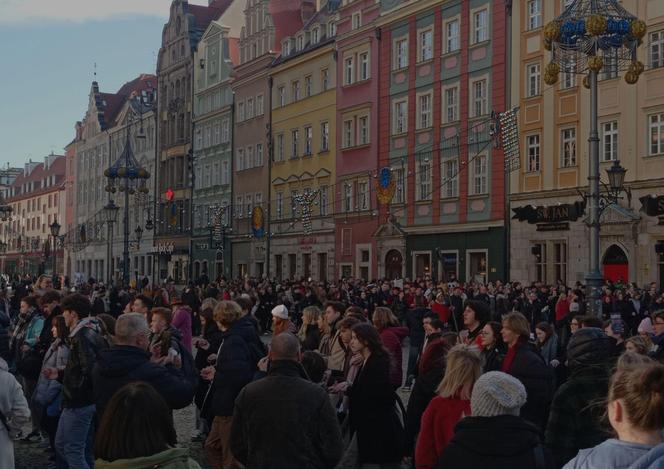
x=331 y=29
x=285 y=47
x=300 y=42
x=315 y=35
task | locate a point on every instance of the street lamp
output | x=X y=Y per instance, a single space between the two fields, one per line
x=616 y=175
x=591 y=35
x=55 y=232
x=139 y=234
x=111 y=216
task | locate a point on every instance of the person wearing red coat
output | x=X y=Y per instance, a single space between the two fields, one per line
x=391 y=334
x=449 y=407
x=441 y=309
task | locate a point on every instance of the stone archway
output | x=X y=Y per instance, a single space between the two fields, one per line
x=393 y=264
x=615 y=264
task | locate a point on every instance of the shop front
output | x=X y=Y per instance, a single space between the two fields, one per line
x=303 y=256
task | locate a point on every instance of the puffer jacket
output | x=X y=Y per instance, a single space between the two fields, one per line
x=56 y=357
x=173 y=458
x=577 y=409
x=85 y=342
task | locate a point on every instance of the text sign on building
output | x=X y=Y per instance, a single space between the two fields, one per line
x=163 y=248
x=652 y=206
x=549 y=214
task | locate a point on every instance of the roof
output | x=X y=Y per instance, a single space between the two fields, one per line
x=203 y=16
x=57 y=168
x=110 y=104
x=286 y=17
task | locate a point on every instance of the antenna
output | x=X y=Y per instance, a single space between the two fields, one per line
x=95 y=71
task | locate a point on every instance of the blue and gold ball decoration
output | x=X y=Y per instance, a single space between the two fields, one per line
x=386 y=186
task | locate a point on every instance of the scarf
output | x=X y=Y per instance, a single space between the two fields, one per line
x=21 y=329
x=509 y=357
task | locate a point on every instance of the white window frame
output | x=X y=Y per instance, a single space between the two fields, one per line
x=347 y=192
x=450 y=176
x=325 y=79
x=424 y=178
x=363 y=195
x=348 y=135
x=534 y=12
x=533 y=152
x=469 y=252
x=425 y=44
x=480 y=25
x=324 y=200
x=240 y=111
x=325 y=136
x=656 y=129
x=279 y=205
x=239 y=205
x=568 y=137
x=259 y=154
x=308 y=140
x=480 y=173
x=260 y=109
x=400 y=53
x=656 y=49
x=425 y=110
x=225 y=130
x=533 y=79
x=280 y=153
x=363 y=130
x=295 y=144
x=400 y=181
x=568 y=79
x=295 y=91
x=365 y=66
x=240 y=162
x=450 y=106
x=315 y=35
x=610 y=141
x=308 y=86
x=400 y=116
x=349 y=70
x=479 y=102
x=356 y=20
x=281 y=91
x=249 y=157
x=452 y=33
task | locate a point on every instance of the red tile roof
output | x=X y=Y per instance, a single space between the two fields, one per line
x=57 y=169
x=234 y=50
x=286 y=17
x=115 y=101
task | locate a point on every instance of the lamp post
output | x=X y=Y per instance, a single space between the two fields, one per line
x=111 y=215
x=55 y=232
x=126 y=175
x=588 y=36
x=5 y=215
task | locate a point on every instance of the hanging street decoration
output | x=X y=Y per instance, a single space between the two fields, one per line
x=258 y=222
x=386 y=186
x=305 y=201
x=173 y=218
x=508 y=126
x=218 y=212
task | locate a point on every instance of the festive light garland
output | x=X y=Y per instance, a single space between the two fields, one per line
x=305 y=201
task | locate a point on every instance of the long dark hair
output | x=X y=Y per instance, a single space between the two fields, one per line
x=61 y=327
x=136 y=423
x=368 y=335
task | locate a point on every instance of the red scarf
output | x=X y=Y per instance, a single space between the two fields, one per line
x=509 y=358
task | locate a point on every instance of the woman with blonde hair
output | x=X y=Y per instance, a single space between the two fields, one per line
x=392 y=335
x=638 y=344
x=450 y=405
x=309 y=333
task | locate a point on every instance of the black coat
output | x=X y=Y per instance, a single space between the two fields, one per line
x=285 y=421
x=423 y=391
x=123 y=364
x=492 y=359
x=415 y=328
x=502 y=442
x=537 y=377
x=4 y=335
x=311 y=338
x=372 y=413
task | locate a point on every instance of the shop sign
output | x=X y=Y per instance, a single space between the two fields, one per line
x=307 y=243
x=549 y=214
x=163 y=248
x=652 y=206
x=559 y=226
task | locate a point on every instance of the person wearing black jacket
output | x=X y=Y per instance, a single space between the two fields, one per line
x=50 y=308
x=5 y=324
x=129 y=361
x=495 y=437
x=73 y=439
x=285 y=420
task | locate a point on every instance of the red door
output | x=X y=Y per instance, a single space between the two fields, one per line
x=616 y=265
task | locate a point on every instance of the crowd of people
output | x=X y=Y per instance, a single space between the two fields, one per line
x=297 y=374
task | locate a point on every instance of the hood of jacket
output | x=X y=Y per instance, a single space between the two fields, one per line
x=589 y=349
x=88 y=323
x=119 y=360
x=611 y=453
x=504 y=435
x=653 y=459
x=173 y=458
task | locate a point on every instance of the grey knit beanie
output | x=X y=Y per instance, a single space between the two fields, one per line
x=497 y=393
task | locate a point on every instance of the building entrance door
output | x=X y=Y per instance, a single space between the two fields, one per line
x=616 y=265
x=393 y=264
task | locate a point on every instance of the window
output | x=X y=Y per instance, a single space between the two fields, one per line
x=248 y=204
x=258 y=199
x=424 y=179
x=400 y=189
x=325 y=136
x=364 y=66
x=424 y=111
x=307 y=86
x=480 y=26
x=308 y=140
x=400 y=53
x=539 y=251
x=324 y=200
x=560 y=261
x=300 y=42
x=610 y=68
x=656 y=49
x=400 y=123
x=240 y=159
x=452 y=36
x=250 y=108
x=280 y=205
x=238 y=206
x=331 y=29
x=259 y=105
x=315 y=35
x=451 y=177
x=356 y=20
x=363 y=131
x=425 y=50
x=348 y=134
x=569 y=74
x=567 y=147
x=534 y=14
x=280 y=148
x=349 y=71
x=452 y=104
x=225 y=131
x=249 y=156
x=259 y=154
x=480 y=175
x=533 y=80
x=295 y=91
x=363 y=195
x=240 y=111
x=657 y=134
x=282 y=96
x=325 y=79
x=479 y=103
x=285 y=47
x=348 y=197
x=225 y=172
x=610 y=141
x=295 y=137
x=533 y=148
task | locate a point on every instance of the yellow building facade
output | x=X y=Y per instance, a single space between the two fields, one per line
x=554 y=126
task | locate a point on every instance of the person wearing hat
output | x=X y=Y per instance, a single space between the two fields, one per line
x=281 y=322
x=495 y=437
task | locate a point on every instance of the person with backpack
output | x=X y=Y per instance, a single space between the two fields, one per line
x=73 y=439
x=233 y=369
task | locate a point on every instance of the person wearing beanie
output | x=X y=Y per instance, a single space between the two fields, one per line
x=281 y=322
x=574 y=422
x=495 y=437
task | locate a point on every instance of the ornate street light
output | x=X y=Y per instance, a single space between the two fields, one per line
x=139 y=234
x=55 y=232
x=616 y=175
x=111 y=216
x=591 y=35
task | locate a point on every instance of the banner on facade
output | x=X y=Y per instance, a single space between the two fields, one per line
x=386 y=186
x=258 y=222
x=652 y=206
x=549 y=214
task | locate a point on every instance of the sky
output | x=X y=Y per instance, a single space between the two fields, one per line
x=48 y=49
